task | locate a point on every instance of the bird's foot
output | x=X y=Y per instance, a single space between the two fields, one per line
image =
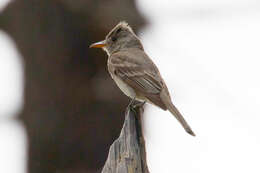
x=134 y=105
x=138 y=104
x=131 y=103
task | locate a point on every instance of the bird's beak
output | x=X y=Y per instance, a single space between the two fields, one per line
x=99 y=44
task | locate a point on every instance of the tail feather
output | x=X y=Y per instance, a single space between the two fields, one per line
x=180 y=118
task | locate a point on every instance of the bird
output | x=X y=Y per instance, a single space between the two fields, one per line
x=134 y=72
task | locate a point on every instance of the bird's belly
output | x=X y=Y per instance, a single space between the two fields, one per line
x=126 y=89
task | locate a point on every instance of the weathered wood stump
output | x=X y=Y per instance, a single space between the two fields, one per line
x=127 y=154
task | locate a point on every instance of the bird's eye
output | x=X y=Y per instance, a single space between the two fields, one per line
x=118 y=30
x=114 y=39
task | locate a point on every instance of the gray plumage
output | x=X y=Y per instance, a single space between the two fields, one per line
x=135 y=73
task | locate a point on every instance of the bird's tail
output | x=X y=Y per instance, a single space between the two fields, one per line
x=180 y=118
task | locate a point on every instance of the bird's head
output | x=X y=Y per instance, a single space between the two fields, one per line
x=119 y=38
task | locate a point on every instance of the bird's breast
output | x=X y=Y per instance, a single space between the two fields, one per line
x=125 y=88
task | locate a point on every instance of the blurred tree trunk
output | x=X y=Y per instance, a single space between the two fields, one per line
x=72 y=109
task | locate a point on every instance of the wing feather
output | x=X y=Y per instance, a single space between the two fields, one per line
x=139 y=77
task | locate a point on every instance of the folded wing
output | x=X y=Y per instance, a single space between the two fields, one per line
x=144 y=81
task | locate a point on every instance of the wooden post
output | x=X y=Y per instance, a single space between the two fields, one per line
x=127 y=153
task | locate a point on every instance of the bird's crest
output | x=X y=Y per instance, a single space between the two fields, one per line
x=123 y=25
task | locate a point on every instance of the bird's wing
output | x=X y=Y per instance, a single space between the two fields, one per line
x=141 y=77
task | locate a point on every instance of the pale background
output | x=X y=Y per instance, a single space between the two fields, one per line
x=208 y=53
